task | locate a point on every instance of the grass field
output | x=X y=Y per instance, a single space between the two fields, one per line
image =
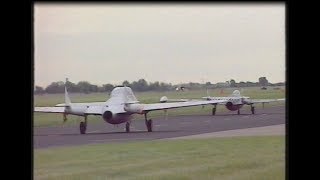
x=42 y=119
x=219 y=158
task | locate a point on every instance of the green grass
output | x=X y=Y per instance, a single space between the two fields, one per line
x=216 y=158
x=41 y=119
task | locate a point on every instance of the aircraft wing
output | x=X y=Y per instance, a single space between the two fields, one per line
x=93 y=109
x=253 y=101
x=161 y=106
x=99 y=110
x=49 y=109
x=82 y=104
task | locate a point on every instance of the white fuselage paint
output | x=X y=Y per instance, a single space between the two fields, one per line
x=234 y=102
x=121 y=100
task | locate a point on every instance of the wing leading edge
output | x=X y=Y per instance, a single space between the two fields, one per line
x=265 y=100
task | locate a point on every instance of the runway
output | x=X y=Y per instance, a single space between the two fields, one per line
x=178 y=126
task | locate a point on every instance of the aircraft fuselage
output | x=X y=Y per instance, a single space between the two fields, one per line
x=233 y=107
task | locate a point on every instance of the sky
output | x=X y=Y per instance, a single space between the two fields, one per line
x=110 y=43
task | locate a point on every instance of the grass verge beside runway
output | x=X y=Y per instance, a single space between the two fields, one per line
x=215 y=158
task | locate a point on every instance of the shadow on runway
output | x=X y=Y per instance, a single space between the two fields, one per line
x=104 y=133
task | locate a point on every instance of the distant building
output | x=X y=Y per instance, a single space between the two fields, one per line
x=222 y=84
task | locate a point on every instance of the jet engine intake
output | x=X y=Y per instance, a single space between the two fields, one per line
x=233 y=107
x=229 y=104
x=107 y=115
x=134 y=108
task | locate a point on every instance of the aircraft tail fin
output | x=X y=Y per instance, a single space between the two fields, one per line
x=66 y=97
x=67 y=100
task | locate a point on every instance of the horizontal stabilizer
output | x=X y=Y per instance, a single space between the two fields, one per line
x=131 y=102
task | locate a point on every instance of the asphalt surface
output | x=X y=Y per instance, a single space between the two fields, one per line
x=45 y=137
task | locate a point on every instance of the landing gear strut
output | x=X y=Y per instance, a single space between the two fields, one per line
x=128 y=127
x=64 y=118
x=252 y=109
x=214 y=110
x=238 y=111
x=148 y=123
x=83 y=126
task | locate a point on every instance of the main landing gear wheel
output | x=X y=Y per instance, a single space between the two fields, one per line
x=214 y=111
x=148 y=123
x=127 y=127
x=83 y=127
x=252 y=109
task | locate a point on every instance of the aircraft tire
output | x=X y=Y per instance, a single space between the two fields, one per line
x=127 y=127
x=82 y=128
x=213 y=111
x=252 y=110
x=149 y=125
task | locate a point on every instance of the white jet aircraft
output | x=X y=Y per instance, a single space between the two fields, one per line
x=117 y=109
x=232 y=103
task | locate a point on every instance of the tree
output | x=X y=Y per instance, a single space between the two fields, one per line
x=242 y=84
x=107 y=87
x=140 y=85
x=71 y=87
x=250 y=84
x=93 y=88
x=84 y=87
x=55 y=87
x=232 y=83
x=164 y=86
x=126 y=83
x=39 y=90
x=154 y=86
x=263 y=81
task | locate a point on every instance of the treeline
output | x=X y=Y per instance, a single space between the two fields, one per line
x=86 y=87
x=141 y=85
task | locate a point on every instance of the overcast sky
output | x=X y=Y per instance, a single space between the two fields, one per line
x=105 y=43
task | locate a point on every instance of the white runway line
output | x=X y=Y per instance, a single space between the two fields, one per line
x=93 y=131
x=158 y=125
